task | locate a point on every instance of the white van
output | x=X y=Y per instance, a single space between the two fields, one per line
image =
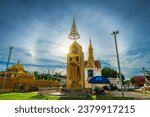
x=119 y=87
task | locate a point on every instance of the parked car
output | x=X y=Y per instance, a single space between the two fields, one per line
x=131 y=88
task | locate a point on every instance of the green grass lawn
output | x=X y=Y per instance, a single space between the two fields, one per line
x=34 y=96
x=146 y=94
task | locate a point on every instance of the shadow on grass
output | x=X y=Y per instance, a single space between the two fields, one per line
x=88 y=97
x=39 y=97
x=103 y=97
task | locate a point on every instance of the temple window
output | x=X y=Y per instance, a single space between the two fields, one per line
x=90 y=73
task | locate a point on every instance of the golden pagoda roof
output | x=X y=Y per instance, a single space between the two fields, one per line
x=17 y=67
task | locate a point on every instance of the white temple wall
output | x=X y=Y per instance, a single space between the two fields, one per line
x=97 y=72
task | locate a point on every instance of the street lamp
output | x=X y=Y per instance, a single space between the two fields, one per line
x=4 y=82
x=115 y=33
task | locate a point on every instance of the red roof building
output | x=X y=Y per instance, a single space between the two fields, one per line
x=139 y=80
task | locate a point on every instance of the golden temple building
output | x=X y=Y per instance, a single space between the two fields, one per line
x=75 y=61
x=17 y=76
x=92 y=67
x=18 y=71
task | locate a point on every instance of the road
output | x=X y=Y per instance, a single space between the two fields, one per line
x=131 y=94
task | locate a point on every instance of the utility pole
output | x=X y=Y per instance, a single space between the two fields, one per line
x=4 y=82
x=120 y=78
x=53 y=71
x=143 y=70
x=144 y=73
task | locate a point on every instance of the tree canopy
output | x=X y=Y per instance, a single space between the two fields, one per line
x=108 y=72
x=47 y=76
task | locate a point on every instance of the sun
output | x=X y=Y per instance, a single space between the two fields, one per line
x=64 y=50
x=63 y=47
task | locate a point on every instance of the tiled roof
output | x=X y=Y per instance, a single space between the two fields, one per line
x=97 y=63
x=139 y=79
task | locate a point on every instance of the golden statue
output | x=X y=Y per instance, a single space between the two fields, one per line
x=75 y=61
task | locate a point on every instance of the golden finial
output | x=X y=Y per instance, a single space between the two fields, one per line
x=90 y=40
x=18 y=62
x=90 y=46
x=74 y=33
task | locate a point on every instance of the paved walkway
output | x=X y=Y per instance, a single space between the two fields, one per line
x=131 y=94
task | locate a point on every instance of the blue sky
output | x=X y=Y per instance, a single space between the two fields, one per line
x=38 y=30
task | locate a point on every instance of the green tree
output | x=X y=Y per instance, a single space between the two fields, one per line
x=37 y=75
x=127 y=81
x=132 y=80
x=108 y=72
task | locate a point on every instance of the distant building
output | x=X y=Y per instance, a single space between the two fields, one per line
x=139 y=81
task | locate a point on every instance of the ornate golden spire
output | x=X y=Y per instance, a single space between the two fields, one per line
x=74 y=33
x=91 y=58
x=90 y=46
x=91 y=62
